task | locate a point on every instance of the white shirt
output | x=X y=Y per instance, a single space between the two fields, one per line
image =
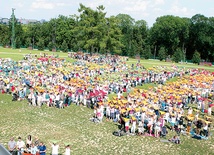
x=206 y=127
x=67 y=151
x=20 y=144
x=55 y=149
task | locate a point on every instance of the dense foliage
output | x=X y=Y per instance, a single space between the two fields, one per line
x=91 y=31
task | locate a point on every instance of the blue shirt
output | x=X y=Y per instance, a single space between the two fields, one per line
x=42 y=148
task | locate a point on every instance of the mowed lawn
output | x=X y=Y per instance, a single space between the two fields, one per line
x=72 y=125
x=16 y=54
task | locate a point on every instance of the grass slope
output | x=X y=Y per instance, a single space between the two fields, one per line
x=72 y=125
x=15 y=54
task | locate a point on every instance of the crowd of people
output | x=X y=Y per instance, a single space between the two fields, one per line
x=88 y=81
x=54 y=82
x=172 y=105
x=33 y=147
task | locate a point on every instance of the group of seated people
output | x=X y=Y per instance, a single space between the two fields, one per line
x=33 y=147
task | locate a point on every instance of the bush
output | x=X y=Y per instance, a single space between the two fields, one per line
x=50 y=46
x=178 y=55
x=146 y=53
x=162 y=54
x=196 y=58
x=41 y=44
x=64 y=46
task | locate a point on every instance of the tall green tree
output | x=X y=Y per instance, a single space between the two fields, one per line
x=196 y=57
x=64 y=46
x=41 y=44
x=19 y=34
x=170 y=32
x=146 y=53
x=178 y=55
x=90 y=29
x=126 y=25
x=162 y=54
x=113 y=35
x=201 y=37
x=5 y=35
x=33 y=34
x=140 y=34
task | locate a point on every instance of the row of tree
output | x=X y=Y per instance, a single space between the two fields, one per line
x=91 y=31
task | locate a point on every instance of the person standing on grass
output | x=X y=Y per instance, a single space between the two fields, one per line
x=157 y=128
x=42 y=149
x=134 y=122
x=67 y=150
x=209 y=111
x=12 y=146
x=55 y=148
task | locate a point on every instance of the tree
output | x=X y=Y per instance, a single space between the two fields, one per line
x=196 y=57
x=178 y=55
x=126 y=25
x=146 y=54
x=140 y=34
x=112 y=43
x=162 y=54
x=91 y=28
x=64 y=46
x=41 y=44
x=33 y=34
x=201 y=37
x=170 y=32
x=50 y=46
x=19 y=34
x=5 y=35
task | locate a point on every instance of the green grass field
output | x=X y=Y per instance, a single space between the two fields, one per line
x=72 y=125
x=15 y=54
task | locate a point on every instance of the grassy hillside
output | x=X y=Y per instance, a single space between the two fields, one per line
x=72 y=125
x=16 y=54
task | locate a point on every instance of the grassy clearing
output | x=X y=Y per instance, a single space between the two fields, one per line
x=151 y=63
x=72 y=125
x=15 y=54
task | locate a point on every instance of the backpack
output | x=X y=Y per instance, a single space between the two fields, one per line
x=118 y=133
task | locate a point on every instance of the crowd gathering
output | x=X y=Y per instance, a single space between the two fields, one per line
x=54 y=82
x=33 y=147
x=183 y=106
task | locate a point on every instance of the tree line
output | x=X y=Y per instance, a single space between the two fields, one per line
x=170 y=37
